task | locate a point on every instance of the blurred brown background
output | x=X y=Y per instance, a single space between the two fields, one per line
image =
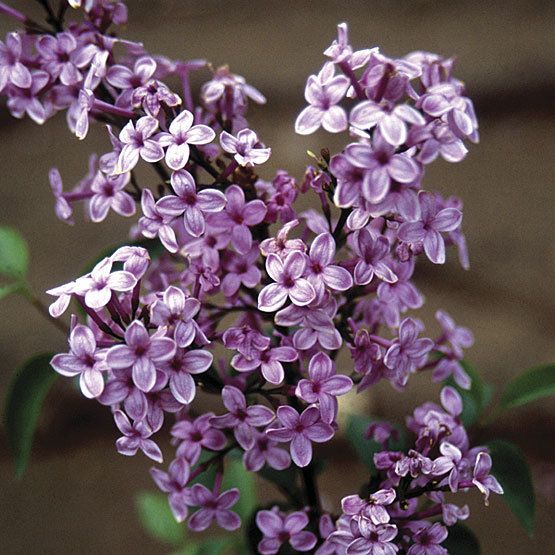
x=77 y=496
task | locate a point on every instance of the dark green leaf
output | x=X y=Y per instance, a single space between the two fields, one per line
x=533 y=384
x=157 y=519
x=27 y=392
x=512 y=471
x=235 y=476
x=357 y=424
x=474 y=399
x=461 y=541
x=14 y=255
x=285 y=480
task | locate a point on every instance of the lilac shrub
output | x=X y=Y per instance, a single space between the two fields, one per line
x=220 y=265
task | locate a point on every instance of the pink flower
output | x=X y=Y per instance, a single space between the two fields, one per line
x=289 y=283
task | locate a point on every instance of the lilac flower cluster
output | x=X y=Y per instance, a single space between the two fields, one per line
x=275 y=304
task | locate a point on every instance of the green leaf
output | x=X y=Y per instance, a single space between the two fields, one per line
x=26 y=394
x=474 y=399
x=461 y=541
x=357 y=424
x=14 y=254
x=157 y=519
x=235 y=476
x=513 y=473
x=10 y=288
x=531 y=385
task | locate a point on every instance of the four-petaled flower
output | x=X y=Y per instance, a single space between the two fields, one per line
x=427 y=229
x=323 y=92
x=174 y=483
x=181 y=134
x=323 y=386
x=142 y=353
x=241 y=418
x=373 y=258
x=245 y=147
x=138 y=142
x=213 y=506
x=84 y=360
x=301 y=430
x=109 y=192
x=279 y=528
x=135 y=437
x=289 y=282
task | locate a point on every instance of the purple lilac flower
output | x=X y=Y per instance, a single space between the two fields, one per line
x=301 y=430
x=62 y=207
x=373 y=508
x=265 y=451
x=174 y=483
x=213 y=506
x=426 y=230
x=380 y=165
x=191 y=204
x=135 y=436
x=427 y=538
x=482 y=478
x=57 y=56
x=241 y=418
x=289 y=283
x=224 y=80
x=362 y=537
x=109 y=192
x=340 y=51
x=373 y=254
x=238 y=216
x=323 y=386
x=141 y=353
x=196 y=435
x=241 y=270
x=181 y=368
x=23 y=101
x=177 y=311
x=138 y=142
x=436 y=139
x=408 y=353
x=245 y=147
x=323 y=92
x=320 y=271
x=83 y=360
x=152 y=95
x=127 y=79
x=12 y=70
x=279 y=528
x=391 y=120
x=153 y=223
x=99 y=285
x=268 y=359
x=246 y=340
x=458 y=337
x=181 y=134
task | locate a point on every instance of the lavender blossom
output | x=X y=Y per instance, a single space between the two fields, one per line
x=279 y=528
